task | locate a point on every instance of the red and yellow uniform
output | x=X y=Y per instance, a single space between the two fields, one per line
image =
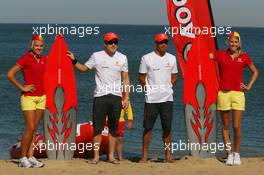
x=231 y=95
x=33 y=72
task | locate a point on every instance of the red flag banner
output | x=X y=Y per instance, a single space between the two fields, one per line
x=188 y=18
x=191 y=26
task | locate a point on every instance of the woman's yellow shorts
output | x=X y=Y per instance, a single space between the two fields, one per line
x=230 y=100
x=33 y=102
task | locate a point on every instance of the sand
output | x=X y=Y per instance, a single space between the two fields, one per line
x=187 y=165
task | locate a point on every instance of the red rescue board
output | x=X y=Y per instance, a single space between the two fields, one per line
x=61 y=106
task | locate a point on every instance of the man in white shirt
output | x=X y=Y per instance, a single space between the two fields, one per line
x=111 y=69
x=158 y=74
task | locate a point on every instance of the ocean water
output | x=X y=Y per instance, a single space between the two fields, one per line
x=137 y=41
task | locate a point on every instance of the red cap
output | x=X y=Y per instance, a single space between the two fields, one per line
x=37 y=38
x=110 y=35
x=160 y=37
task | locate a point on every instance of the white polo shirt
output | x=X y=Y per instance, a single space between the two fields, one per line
x=158 y=78
x=107 y=72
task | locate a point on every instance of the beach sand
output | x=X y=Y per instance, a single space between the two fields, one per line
x=187 y=165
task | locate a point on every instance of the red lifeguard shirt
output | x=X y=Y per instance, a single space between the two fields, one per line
x=231 y=70
x=33 y=71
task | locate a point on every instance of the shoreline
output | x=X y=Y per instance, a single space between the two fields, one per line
x=186 y=165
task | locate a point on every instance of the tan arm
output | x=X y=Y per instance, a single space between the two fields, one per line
x=126 y=84
x=11 y=75
x=254 y=76
x=80 y=67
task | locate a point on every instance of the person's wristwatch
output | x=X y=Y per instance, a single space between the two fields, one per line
x=74 y=61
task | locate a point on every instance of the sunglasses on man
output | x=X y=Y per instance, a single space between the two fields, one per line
x=163 y=42
x=111 y=42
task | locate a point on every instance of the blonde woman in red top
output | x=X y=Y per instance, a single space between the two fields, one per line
x=231 y=98
x=33 y=99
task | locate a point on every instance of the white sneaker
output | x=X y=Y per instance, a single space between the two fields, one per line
x=230 y=159
x=237 y=160
x=35 y=163
x=24 y=163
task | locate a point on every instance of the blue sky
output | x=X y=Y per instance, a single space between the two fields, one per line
x=226 y=12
